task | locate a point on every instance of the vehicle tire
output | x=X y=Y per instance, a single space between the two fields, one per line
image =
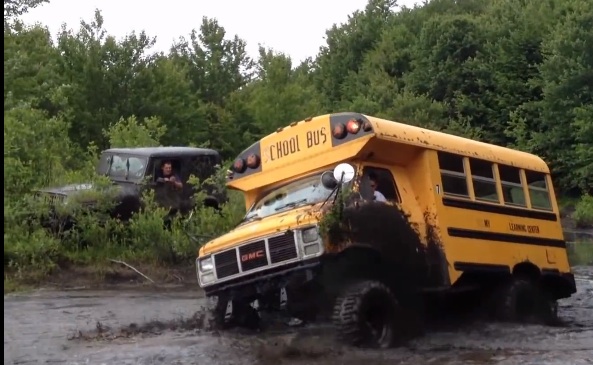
x=548 y=310
x=365 y=315
x=244 y=315
x=523 y=300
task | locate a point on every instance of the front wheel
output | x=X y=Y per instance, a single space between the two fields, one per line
x=365 y=315
x=243 y=315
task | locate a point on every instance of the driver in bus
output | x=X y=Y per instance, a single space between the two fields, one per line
x=374 y=182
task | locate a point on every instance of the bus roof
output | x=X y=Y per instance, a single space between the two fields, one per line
x=312 y=141
x=431 y=139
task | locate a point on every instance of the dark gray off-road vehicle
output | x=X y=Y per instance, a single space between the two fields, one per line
x=134 y=170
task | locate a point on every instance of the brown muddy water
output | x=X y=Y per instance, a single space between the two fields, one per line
x=162 y=327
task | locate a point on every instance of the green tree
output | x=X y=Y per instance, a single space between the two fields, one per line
x=31 y=71
x=103 y=76
x=36 y=150
x=565 y=134
x=217 y=68
x=13 y=8
x=131 y=133
x=164 y=90
x=346 y=48
x=281 y=94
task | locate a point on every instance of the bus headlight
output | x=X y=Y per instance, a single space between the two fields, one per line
x=311 y=249
x=310 y=241
x=206 y=265
x=310 y=235
x=207 y=278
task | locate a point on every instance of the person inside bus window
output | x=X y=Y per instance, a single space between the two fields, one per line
x=374 y=182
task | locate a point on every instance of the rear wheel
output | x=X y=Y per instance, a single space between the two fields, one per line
x=524 y=300
x=365 y=314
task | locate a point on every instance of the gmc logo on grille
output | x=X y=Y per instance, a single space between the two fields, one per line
x=252 y=256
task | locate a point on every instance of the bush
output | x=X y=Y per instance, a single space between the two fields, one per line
x=581 y=253
x=30 y=249
x=583 y=214
x=97 y=237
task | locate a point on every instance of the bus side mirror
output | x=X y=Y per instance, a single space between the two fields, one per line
x=342 y=174
x=328 y=180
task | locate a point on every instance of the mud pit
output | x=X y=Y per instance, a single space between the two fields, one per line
x=148 y=327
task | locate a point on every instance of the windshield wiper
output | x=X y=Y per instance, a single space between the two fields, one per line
x=291 y=204
x=127 y=168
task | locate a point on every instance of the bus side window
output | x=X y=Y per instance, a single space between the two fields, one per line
x=483 y=180
x=512 y=188
x=538 y=190
x=385 y=182
x=453 y=174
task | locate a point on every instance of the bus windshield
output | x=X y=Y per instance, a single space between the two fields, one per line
x=305 y=191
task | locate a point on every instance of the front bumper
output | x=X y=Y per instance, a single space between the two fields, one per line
x=265 y=281
x=260 y=255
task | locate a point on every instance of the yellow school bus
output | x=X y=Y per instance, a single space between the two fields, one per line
x=348 y=212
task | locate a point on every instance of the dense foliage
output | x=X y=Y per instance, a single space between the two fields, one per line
x=513 y=72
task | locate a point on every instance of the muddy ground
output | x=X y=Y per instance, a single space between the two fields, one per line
x=148 y=326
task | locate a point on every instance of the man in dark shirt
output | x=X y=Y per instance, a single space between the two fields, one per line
x=168 y=192
x=169 y=177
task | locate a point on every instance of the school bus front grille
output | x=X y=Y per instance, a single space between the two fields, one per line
x=256 y=255
x=226 y=264
x=282 y=248
x=253 y=255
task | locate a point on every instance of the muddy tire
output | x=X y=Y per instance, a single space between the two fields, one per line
x=522 y=300
x=244 y=315
x=365 y=315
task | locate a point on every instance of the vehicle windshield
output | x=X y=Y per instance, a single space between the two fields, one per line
x=123 y=167
x=305 y=191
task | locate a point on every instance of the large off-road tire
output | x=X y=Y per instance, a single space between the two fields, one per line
x=366 y=315
x=524 y=300
x=244 y=315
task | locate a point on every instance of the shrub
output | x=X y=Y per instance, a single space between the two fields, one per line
x=96 y=237
x=583 y=214
x=581 y=253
